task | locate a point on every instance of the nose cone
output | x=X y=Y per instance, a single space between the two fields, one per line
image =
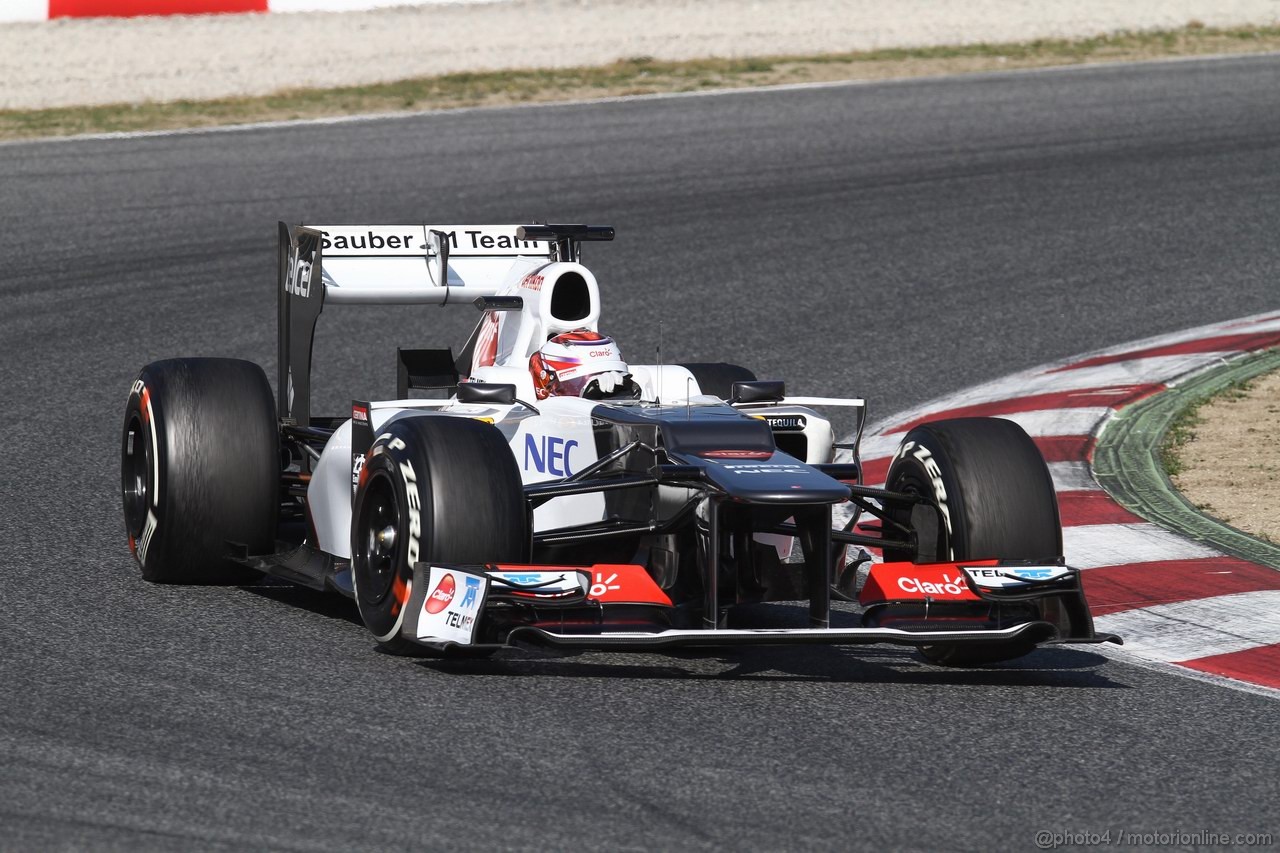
x=779 y=479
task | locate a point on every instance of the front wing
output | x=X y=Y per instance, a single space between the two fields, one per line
x=447 y=609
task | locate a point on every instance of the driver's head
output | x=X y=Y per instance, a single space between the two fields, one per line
x=579 y=364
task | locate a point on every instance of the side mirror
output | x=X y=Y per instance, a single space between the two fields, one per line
x=493 y=393
x=498 y=303
x=758 y=391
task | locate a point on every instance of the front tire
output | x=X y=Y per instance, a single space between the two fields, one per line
x=995 y=499
x=200 y=469
x=433 y=489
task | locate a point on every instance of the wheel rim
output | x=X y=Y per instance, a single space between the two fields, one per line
x=378 y=540
x=905 y=484
x=135 y=475
x=914 y=517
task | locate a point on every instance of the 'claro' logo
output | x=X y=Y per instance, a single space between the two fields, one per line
x=441 y=596
x=948 y=586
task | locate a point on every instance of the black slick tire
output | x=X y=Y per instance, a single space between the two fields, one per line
x=433 y=489
x=996 y=501
x=200 y=469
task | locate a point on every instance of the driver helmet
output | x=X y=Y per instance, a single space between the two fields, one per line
x=581 y=363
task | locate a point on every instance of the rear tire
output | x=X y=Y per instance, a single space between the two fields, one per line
x=433 y=489
x=717 y=378
x=200 y=469
x=997 y=501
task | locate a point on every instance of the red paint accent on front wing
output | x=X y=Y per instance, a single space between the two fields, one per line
x=624 y=584
x=916 y=582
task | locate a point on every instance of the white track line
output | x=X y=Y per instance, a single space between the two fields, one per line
x=879 y=447
x=1190 y=630
x=1090 y=546
x=1067 y=476
x=1046 y=422
x=1071 y=476
x=1013 y=386
x=1050 y=379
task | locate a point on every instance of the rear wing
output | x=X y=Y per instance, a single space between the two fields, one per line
x=395 y=265
x=420 y=264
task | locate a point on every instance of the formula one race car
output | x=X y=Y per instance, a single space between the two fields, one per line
x=550 y=494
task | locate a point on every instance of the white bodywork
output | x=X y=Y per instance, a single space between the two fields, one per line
x=400 y=265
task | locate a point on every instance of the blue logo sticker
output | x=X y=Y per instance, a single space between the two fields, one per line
x=469 y=598
x=548 y=454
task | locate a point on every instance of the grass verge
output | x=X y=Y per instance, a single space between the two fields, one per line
x=636 y=76
x=1182 y=431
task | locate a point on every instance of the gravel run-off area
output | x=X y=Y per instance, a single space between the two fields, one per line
x=1231 y=468
x=70 y=62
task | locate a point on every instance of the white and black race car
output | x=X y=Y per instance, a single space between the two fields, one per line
x=490 y=513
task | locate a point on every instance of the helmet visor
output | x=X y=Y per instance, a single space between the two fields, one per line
x=577 y=385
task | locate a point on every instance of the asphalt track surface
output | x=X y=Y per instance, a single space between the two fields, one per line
x=894 y=241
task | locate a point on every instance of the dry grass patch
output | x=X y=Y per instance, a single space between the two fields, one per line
x=1224 y=456
x=636 y=76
